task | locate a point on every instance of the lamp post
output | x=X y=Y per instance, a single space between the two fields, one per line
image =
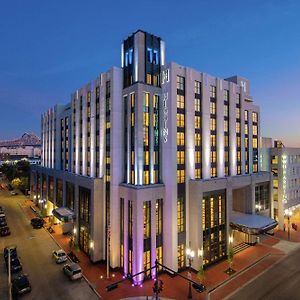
x=288 y=213
x=190 y=255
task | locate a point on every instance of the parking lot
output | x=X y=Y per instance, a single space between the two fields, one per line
x=34 y=247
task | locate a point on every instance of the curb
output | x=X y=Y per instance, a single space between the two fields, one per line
x=212 y=290
x=263 y=272
x=84 y=277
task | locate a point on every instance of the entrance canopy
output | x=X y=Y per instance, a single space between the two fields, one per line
x=63 y=214
x=251 y=224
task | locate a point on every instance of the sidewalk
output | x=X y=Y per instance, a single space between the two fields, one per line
x=177 y=288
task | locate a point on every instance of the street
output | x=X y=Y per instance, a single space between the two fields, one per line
x=281 y=281
x=34 y=247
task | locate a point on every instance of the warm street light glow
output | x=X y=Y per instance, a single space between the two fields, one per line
x=188 y=251
x=200 y=252
x=230 y=239
x=74 y=230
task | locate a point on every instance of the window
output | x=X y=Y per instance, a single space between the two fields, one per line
x=180 y=83
x=197 y=105
x=147 y=219
x=158 y=216
x=180 y=101
x=212 y=108
x=197 y=122
x=238 y=99
x=254 y=117
x=180 y=120
x=180 y=157
x=212 y=91
x=226 y=95
x=197 y=87
x=180 y=138
x=181 y=256
x=180 y=214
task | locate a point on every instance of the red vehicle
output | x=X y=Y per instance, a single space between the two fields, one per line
x=4 y=231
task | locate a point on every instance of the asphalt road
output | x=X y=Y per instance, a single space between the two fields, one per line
x=34 y=246
x=280 y=282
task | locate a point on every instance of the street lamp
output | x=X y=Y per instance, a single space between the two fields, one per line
x=190 y=256
x=288 y=213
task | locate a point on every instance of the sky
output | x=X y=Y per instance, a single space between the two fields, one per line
x=48 y=49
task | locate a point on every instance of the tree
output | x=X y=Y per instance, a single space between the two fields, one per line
x=230 y=256
x=201 y=274
x=16 y=183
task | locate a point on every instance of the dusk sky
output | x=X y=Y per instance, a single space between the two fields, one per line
x=51 y=48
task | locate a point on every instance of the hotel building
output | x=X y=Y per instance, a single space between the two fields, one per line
x=152 y=158
x=284 y=163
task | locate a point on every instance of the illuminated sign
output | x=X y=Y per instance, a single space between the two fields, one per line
x=283 y=161
x=165 y=130
x=165 y=76
x=244 y=85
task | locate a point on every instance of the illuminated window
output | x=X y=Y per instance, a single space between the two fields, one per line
x=159 y=256
x=226 y=126
x=197 y=139
x=180 y=83
x=181 y=256
x=180 y=120
x=254 y=129
x=197 y=157
x=147 y=219
x=238 y=99
x=147 y=263
x=197 y=88
x=197 y=122
x=238 y=113
x=226 y=95
x=246 y=115
x=180 y=214
x=180 y=138
x=149 y=79
x=213 y=124
x=158 y=216
x=180 y=157
x=146 y=177
x=225 y=110
x=212 y=108
x=254 y=117
x=180 y=176
x=212 y=91
x=197 y=105
x=180 y=101
x=254 y=142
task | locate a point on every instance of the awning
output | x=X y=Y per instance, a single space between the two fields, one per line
x=63 y=214
x=251 y=223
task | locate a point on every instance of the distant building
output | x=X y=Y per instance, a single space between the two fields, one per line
x=284 y=163
x=29 y=145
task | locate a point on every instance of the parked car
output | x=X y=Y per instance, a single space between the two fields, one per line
x=37 y=223
x=1 y=210
x=60 y=256
x=2 y=222
x=73 y=271
x=15 y=265
x=4 y=231
x=20 y=285
x=13 y=193
x=13 y=251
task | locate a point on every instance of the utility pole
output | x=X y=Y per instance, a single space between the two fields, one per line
x=9 y=277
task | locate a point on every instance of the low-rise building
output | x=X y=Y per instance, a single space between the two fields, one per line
x=284 y=163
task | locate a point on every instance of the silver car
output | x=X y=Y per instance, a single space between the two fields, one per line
x=73 y=271
x=59 y=256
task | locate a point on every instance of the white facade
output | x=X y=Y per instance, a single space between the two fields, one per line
x=284 y=163
x=129 y=143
